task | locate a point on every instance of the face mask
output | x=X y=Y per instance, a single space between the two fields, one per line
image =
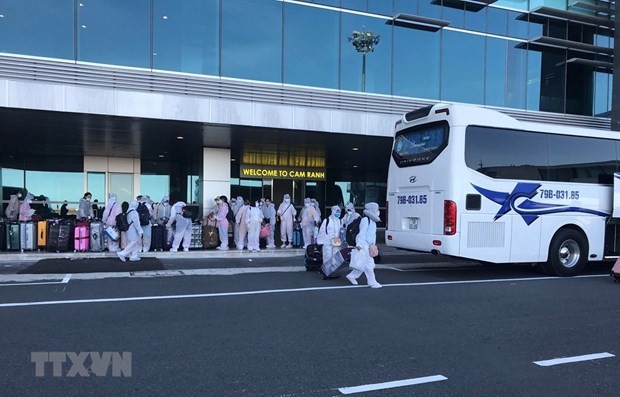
x=257 y=205
x=219 y=201
x=337 y=215
x=377 y=213
x=19 y=196
x=88 y=199
x=287 y=201
x=267 y=203
x=308 y=204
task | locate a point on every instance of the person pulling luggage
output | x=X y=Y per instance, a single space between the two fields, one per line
x=133 y=234
x=362 y=257
x=329 y=235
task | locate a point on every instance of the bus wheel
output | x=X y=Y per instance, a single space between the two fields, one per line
x=567 y=253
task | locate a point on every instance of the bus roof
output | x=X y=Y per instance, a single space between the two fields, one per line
x=464 y=115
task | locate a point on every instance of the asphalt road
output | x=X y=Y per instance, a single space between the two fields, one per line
x=473 y=330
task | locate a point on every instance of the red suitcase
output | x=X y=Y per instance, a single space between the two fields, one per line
x=615 y=271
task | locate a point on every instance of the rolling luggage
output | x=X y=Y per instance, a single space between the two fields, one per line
x=210 y=237
x=298 y=239
x=97 y=243
x=42 y=229
x=12 y=237
x=81 y=237
x=159 y=238
x=337 y=265
x=615 y=271
x=27 y=236
x=59 y=236
x=2 y=236
x=314 y=257
x=196 y=241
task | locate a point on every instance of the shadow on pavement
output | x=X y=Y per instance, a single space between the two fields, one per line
x=92 y=265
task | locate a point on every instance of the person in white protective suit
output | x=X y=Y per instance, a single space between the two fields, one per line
x=235 y=209
x=316 y=206
x=183 y=227
x=366 y=238
x=241 y=220
x=85 y=209
x=112 y=209
x=286 y=212
x=309 y=218
x=12 y=210
x=254 y=219
x=163 y=212
x=222 y=223
x=144 y=243
x=25 y=212
x=269 y=214
x=329 y=234
x=349 y=216
x=133 y=234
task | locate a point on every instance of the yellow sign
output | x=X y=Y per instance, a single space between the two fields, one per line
x=257 y=171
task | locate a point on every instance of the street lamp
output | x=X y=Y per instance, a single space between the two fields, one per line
x=364 y=42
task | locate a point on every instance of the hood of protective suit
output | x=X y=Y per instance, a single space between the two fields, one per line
x=112 y=199
x=307 y=202
x=336 y=210
x=29 y=198
x=371 y=210
x=349 y=206
x=133 y=205
x=178 y=205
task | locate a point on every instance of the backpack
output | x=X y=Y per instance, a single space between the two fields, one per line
x=121 y=222
x=143 y=214
x=187 y=213
x=230 y=216
x=353 y=230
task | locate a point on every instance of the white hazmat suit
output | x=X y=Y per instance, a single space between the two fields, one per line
x=254 y=219
x=330 y=229
x=309 y=219
x=183 y=228
x=112 y=209
x=269 y=212
x=12 y=210
x=133 y=234
x=366 y=236
x=286 y=212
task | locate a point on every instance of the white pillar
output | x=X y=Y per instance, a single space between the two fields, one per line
x=216 y=176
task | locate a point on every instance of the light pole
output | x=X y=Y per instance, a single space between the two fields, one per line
x=364 y=42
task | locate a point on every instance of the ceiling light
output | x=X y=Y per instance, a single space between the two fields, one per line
x=180 y=138
x=83 y=26
x=356 y=149
x=164 y=17
x=81 y=4
x=233 y=159
x=161 y=156
x=355 y=166
x=1 y=15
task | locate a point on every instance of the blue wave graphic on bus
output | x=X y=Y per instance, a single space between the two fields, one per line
x=529 y=210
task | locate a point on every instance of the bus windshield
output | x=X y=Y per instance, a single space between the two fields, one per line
x=419 y=145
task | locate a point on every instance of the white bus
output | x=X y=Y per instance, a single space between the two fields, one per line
x=475 y=183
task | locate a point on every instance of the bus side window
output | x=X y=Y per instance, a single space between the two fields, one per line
x=473 y=202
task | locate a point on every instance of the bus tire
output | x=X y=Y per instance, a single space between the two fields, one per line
x=568 y=253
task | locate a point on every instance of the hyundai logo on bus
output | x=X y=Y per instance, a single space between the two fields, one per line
x=412 y=179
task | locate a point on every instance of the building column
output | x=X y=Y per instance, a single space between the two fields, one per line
x=615 y=87
x=216 y=176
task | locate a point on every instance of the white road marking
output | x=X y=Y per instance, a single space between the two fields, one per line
x=391 y=385
x=66 y=279
x=22 y=284
x=575 y=359
x=277 y=291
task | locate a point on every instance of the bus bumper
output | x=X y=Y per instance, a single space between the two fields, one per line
x=435 y=243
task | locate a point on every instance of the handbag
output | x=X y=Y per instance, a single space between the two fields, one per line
x=111 y=232
x=373 y=250
x=336 y=242
x=265 y=231
x=357 y=260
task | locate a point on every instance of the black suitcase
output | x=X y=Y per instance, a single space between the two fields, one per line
x=337 y=264
x=2 y=236
x=159 y=238
x=59 y=236
x=12 y=236
x=314 y=257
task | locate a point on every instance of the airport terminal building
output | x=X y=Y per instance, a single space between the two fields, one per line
x=258 y=98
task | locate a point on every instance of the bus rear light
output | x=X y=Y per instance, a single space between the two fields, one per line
x=437 y=242
x=449 y=217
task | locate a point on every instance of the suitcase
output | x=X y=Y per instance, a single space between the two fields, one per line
x=12 y=237
x=298 y=239
x=96 y=237
x=196 y=241
x=27 y=236
x=2 y=236
x=59 y=236
x=336 y=265
x=210 y=237
x=81 y=238
x=159 y=238
x=314 y=257
x=42 y=229
x=615 y=271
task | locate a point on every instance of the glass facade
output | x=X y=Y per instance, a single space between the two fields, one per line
x=486 y=55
